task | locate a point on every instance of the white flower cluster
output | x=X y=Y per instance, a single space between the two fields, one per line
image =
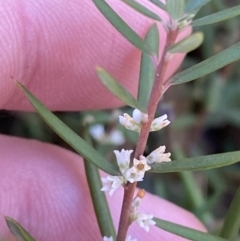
x=142 y=219
x=129 y=238
x=132 y=174
x=134 y=123
x=136 y=172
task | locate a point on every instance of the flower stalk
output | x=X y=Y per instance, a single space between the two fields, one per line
x=155 y=96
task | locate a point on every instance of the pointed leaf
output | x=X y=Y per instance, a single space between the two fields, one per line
x=99 y=200
x=218 y=17
x=209 y=65
x=188 y=44
x=185 y=232
x=193 y=6
x=143 y=10
x=75 y=141
x=159 y=4
x=231 y=223
x=118 y=90
x=17 y=230
x=175 y=8
x=197 y=163
x=121 y=26
x=147 y=70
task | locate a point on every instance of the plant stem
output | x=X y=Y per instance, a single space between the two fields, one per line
x=155 y=96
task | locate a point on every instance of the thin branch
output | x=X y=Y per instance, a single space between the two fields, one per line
x=155 y=96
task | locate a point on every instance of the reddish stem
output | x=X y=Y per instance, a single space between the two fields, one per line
x=155 y=96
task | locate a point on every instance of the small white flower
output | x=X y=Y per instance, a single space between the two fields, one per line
x=97 y=132
x=111 y=183
x=127 y=121
x=135 y=123
x=129 y=238
x=134 y=207
x=136 y=202
x=141 y=165
x=137 y=171
x=139 y=117
x=107 y=239
x=116 y=137
x=144 y=220
x=123 y=159
x=158 y=156
x=159 y=123
x=133 y=175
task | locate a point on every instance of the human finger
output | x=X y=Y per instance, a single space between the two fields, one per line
x=53 y=47
x=44 y=188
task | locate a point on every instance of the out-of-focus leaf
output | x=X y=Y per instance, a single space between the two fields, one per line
x=218 y=17
x=118 y=90
x=159 y=4
x=193 y=6
x=99 y=200
x=197 y=163
x=231 y=223
x=147 y=69
x=175 y=8
x=185 y=232
x=122 y=27
x=209 y=65
x=188 y=44
x=75 y=141
x=17 y=230
x=143 y=10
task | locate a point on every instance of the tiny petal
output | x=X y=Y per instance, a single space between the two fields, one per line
x=123 y=159
x=144 y=220
x=141 y=165
x=129 y=238
x=159 y=123
x=158 y=156
x=111 y=183
x=132 y=175
x=128 y=122
x=107 y=239
x=139 y=117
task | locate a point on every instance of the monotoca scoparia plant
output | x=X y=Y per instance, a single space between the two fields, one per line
x=131 y=165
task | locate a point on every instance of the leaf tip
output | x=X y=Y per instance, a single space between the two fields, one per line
x=99 y=69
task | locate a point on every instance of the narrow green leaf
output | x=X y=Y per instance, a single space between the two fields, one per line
x=209 y=65
x=159 y=4
x=185 y=232
x=218 y=17
x=75 y=141
x=175 y=8
x=188 y=44
x=17 y=230
x=231 y=223
x=147 y=70
x=197 y=163
x=143 y=10
x=99 y=200
x=118 y=90
x=122 y=27
x=193 y=6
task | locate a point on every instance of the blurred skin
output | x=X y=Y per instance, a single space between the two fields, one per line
x=53 y=47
